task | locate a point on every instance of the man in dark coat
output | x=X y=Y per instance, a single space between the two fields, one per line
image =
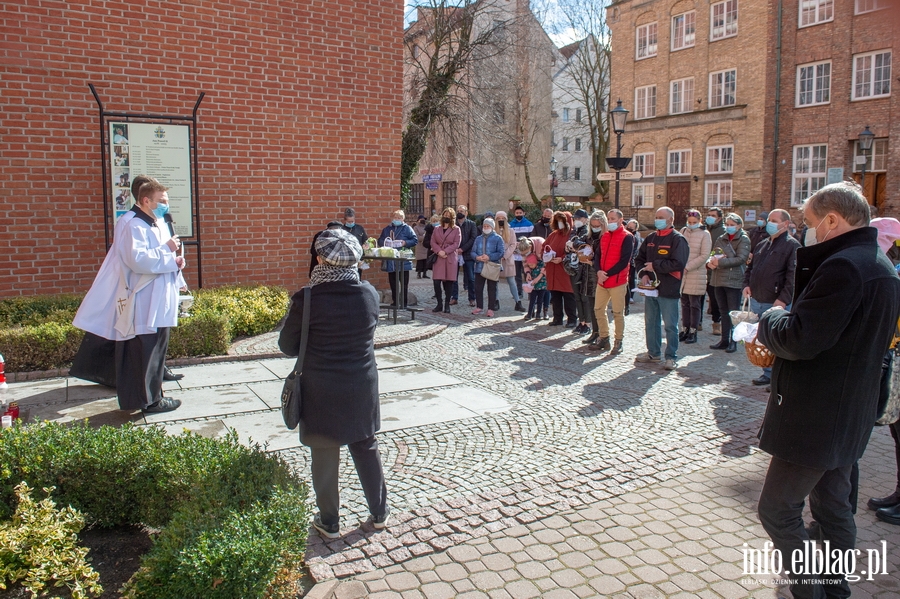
x=664 y=254
x=468 y=232
x=339 y=382
x=825 y=382
x=769 y=278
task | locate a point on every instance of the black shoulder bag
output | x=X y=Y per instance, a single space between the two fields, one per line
x=290 y=393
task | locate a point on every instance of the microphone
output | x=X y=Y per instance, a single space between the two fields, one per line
x=171 y=223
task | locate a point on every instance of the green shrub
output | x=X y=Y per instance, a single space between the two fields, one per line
x=232 y=516
x=39 y=347
x=251 y=310
x=203 y=334
x=35 y=310
x=38 y=548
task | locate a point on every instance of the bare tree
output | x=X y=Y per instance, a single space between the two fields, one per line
x=442 y=45
x=589 y=68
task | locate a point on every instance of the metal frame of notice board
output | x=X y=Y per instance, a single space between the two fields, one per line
x=108 y=202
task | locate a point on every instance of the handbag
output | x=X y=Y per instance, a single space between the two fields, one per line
x=744 y=314
x=491 y=271
x=430 y=261
x=891 y=411
x=290 y=394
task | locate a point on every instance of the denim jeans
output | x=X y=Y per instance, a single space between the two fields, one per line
x=659 y=310
x=468 y=281
x=758 y=308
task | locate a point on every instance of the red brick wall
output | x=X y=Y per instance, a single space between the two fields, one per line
x=301 y=119
x=838 y=123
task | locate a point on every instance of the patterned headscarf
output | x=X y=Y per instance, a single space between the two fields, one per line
x=340 y=252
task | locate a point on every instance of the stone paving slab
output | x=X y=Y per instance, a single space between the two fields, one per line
x=412 y=378
x=682 y=538
x=413 y=409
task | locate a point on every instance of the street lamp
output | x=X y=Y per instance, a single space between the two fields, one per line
x=618 y=115
x=865 y=145
x=553 y=164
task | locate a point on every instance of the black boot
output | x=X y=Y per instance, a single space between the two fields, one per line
x=617 y=348
x=602 y=344
x=594 y=336
x=722 y=344
x=891 y=515
x=438 y=308
x=691 y=337
x=732 y=347
x=889 y=501
x=496 y=304
x=682 y=335
x=519 y=307
x=447 y=309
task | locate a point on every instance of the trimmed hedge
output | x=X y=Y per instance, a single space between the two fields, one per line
x=36 y=333
x=234 y=518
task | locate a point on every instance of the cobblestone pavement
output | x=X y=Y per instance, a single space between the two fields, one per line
x=587 y=435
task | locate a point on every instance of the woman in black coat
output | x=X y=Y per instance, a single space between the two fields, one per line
x=339 y=382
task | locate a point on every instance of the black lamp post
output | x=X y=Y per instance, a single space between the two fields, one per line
x=553 y=164
x=618 y=115
x=865 y=145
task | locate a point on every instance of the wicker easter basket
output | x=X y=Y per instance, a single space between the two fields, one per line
x=758 y=354
x=652 y=284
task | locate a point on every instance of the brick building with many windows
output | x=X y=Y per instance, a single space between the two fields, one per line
x=753 y=105
x=301 y=119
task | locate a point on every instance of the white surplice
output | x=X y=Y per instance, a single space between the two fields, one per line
x=138 y=250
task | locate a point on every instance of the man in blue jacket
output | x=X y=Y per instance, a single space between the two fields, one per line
x=825 y=381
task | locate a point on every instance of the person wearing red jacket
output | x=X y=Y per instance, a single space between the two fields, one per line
x=612 y=262
x=558 y=280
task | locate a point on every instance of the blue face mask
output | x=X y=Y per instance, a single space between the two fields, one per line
x=693 y=226
x=396 y=223
x=660 y=224
x=612 y=227
x=731 y=230
x=349 y=225
x=772 y=228
x=596 y=229
x=710 y=220
x=161 y=210
x=760 y=223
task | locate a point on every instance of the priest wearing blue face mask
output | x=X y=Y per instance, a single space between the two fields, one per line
x=769 y=279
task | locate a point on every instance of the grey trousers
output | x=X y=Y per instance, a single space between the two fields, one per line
x=781 y=514
x=325 y=469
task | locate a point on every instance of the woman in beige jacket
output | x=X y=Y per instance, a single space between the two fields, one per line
x=693 y=282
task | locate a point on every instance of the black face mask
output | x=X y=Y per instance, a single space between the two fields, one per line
x=545 y=220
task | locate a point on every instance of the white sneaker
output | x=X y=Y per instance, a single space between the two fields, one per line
x=646 y=358
x=669 y=365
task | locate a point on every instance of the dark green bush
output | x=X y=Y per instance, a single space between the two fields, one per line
x=35 y=310
x=203 y=334
x=39 y=347
x=232 y=516
x=36 y=333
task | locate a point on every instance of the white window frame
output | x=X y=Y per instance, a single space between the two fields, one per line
x=805 y=157
x=565 y=115
x=644 y=108
x=577 y=144
x=872 y=70
x=719 y=160
x=876 y=158
x=729 y=17
x=717 y=99
x=644 y=162
x=688 y=20
x=716 y=199
x=821 y=84
x=565 y=144
x=650 y=33
x=576 y=174
x=684 y=161
x=814 y=12
x=645 y=192
x=565 y=173
x=862 y=7
x=684 y=96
